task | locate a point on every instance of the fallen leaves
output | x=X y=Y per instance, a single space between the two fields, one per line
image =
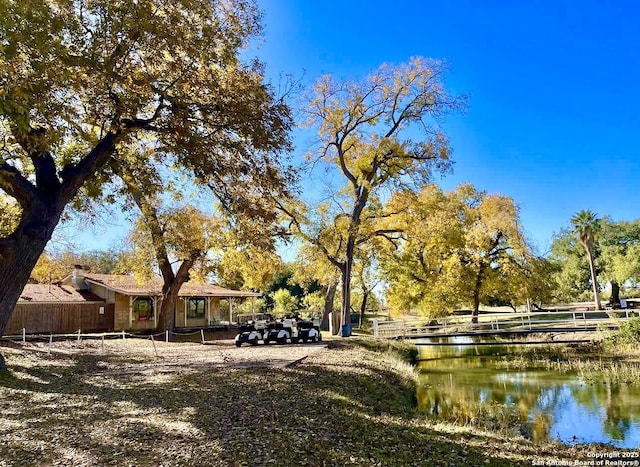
x=346 y=405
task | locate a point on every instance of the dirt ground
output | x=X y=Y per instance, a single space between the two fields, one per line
x=150 y=403
x=146 y=355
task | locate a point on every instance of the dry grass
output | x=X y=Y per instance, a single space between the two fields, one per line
x=218 y=405
x=594 y=361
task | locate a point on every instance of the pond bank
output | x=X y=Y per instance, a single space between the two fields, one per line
x=346 y=404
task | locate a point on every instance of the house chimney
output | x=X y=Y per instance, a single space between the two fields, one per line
x=77 y=278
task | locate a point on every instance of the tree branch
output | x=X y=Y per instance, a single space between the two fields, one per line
x=313 y=240
x=150 y=214
x=74 y=175
x=16 y=185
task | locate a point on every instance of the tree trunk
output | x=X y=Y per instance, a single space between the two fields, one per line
x=594 y=279
x=363 y=307
x=172 y=282
x=16 y=265
x=362 y=195
x=170 y=290
x=42 y=205
x=328 y=305
x=345 y=315
x=615 y=292
x=19 y=253
x=476 y=308
x=167 y=312
x=15 y=269
x=476 y=294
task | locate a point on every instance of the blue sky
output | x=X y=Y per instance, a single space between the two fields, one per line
x=552 y=87
x=553 y=113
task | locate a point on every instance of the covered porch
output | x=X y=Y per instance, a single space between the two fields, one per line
x=202 y=311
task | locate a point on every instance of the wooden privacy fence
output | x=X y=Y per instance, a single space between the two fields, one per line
x=59 y=318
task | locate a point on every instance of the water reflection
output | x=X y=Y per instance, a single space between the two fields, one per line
x=464 y=383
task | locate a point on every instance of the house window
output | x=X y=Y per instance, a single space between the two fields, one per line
x=143 y=309
x=195 y=308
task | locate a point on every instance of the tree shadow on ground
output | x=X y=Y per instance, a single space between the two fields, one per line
x=335 y=412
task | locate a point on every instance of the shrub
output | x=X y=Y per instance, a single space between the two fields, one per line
x=629 y=332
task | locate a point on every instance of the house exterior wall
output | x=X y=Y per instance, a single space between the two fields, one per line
x=101 y=291
x=111 y=315
x=121 y=319
x=121 y=315
x=179 y=313
x=60 y=318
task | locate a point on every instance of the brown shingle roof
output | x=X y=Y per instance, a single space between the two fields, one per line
x=37 y=293
x=129 y=285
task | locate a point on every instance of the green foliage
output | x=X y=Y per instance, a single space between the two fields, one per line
x=314 y=302
x=586 y=226
x=56 y=266
x=619 y=251
x=9 y=215
x=571 y=275
x=283 y=280
x=378 y=133
x=284 y=302
x=299 y=285
x=616 y=253
x=458 y=247
x=629 y=332
x=248 y=306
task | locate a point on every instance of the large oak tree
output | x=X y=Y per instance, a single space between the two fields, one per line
x=461 y=247
x=376 y=134
x=80 y=78
x=185 y=242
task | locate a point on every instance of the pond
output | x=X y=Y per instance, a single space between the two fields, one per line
x=467 y=382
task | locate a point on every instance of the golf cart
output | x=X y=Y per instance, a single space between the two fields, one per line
x=309 y=329
x=253 y=329
x=282 y=329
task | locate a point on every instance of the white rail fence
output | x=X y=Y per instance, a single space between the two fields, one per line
x=501 y=322
x=79 y=336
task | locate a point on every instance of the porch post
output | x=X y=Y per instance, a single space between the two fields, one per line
x=184 y=299
x=230 y=310
x=155 y=311
x=131 y=299
x=208 y=311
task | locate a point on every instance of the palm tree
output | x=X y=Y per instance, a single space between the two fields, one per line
x=585 y=226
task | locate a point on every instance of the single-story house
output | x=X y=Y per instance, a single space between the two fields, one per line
x=108 y=302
